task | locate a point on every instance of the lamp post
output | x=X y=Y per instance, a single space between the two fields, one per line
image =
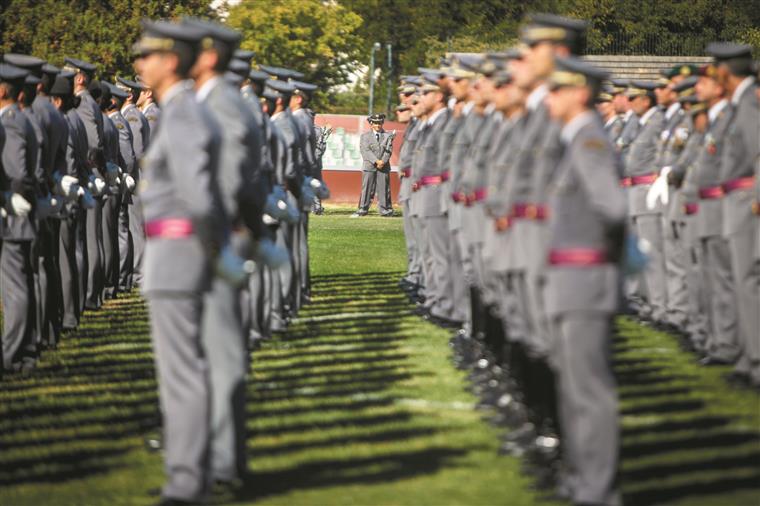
x=389 y=49
x=375 y=47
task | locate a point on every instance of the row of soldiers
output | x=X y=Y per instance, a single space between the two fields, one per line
x=535 y=193
x=201 y=198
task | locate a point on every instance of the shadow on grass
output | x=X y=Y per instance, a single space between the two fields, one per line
x=72 y=417
x=334 y=372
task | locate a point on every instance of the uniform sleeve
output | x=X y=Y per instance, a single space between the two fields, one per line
x=595 y=164
x=367 y=154
x=14 y=155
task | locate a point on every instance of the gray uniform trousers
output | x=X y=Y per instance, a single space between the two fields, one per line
x=70 y=278
x=376 y=182
x=257 y=304
x=413 y=261
x=698 y=303
x=303 y=254
x=17 y=294
x=49 y=299
x=110 y=232
x=225 y=347
x=95 y=254
x=676 y=258
x=436 y=253
x=175 y=321
x=126 y=248
x=282 y=280
x=723 y=340
x=649 y=227
x=81 y=256
x=590 y=430
x=138 y=238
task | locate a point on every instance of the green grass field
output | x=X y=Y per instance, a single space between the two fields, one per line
x=358 y=403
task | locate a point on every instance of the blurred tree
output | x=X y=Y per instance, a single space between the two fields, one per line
x=100 y=32
x=315 y=37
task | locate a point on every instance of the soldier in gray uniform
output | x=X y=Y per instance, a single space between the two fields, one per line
x=646 y=215
x=19 y=163
x=410 y=280
x=92 y=119
x=148 y=107
x=243 y=194
x=185 y=228
x=613 y=122
x=376 y=148
x=587 y=229
x=734 y=67
x=141 y=138
x=722 y=344
x=429 y=176
x=672 y=141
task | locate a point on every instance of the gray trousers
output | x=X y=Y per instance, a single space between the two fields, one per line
x=257 y=304
x=676 y=258
x=126 y=248
x=111 y=244
x=70 y=278
x=412 y=255
x=225 y=345
x=95 y=254
x=436 y=260
x=698 y=303
x=282 y=280
x=184 y=394
x=138 y=238
x=723 y=338
x=746 y=287
x=17 y=295
x=460 y=289
x=649 y=227
x=372 y=181
x=49 y=296
x=81 y=255
x=587 y=406
x=303 y=254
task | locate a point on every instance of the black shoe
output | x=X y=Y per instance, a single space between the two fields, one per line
x=170 y=501
x=712 y=361
x=736 y=378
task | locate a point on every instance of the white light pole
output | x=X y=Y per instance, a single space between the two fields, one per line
x=375 y=47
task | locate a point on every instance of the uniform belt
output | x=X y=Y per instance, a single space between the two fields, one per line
x=169 y=228
x=429 y=181
x=502 y=223
x=645 y=179
x=529 y=211
x=625 y=182
x=691 y=208
x=478 y=195
x=407 y=172
x=741 y=183
x=458 y=197
x=711 y=192
x=577 y=256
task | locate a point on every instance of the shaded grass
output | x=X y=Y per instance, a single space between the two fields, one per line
x=358 y=404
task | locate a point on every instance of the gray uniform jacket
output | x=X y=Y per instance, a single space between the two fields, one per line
x=39 y=136
x=371 y=150
x=428 y=199
x=239 y=171
x=406 y=155
x=642 y=160
x=179 y=182
x=291 y=173
x=685 y=172
x=127 y=159
x=628 y=134
x=263 y=123
x=151 y=113
x=588 y=210
x=739 y=158
x=79 y=147
x=614 y=128
x=707 y=174
x=19 y=163
x=140 y=129
x=92 y=118
x=305 y=123
x=54 y=126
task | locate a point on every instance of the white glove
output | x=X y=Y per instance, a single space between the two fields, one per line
x=48 y=206
x=17 y=205
x=320 y=189
x=65 y=186
x=270 y=254
x=268 y=220
x=88 y=202
x=232 y=268
x=96 y=185
x=129 y=183
x=285 y=211
x=659 y=190
x=275 y=208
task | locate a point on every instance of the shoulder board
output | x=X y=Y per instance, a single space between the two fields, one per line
x=150 y=117
x=119 y=124
x=132 y=118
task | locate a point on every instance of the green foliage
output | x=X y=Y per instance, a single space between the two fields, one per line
x=99 y=32
x=314 y=37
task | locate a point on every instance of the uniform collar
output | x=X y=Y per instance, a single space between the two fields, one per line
x=571 y=129
x=127 y=107
x=739 y=91
x=611 y=120
x=536 y=97
x=435 y=115
x=712 y=113
x=628 y=114
x=277 y=115
x=203 y=92
x=645 y=118
x=672 y=110
x=172 y=92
